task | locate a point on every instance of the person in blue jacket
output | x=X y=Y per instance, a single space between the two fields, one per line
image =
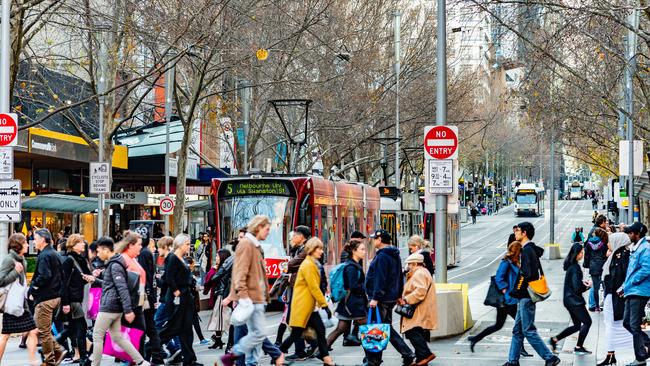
x=636 y=290
x=506 y=279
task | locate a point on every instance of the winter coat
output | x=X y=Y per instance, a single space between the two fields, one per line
x=385 y=280
x=577 y=237
x=637 y=279
x=595 y=255
x=177 y=276
x=615 y=279
x=297 y=256
x=355 y=302
x=115 y=290
x=506 y=279
x=249 y=272
x=573 y=286
x=73 y=282
x=420 y=290
x=149 y=266
x=47 y=282
x=8 y=273
x=217 y=282
x=306 y=293
x=528 y=270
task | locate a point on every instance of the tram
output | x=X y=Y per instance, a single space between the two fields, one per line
x=402 y=215
x=575 y=191
x=529 y=200
x=333 y=210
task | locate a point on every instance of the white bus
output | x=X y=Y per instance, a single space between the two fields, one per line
x=529 y=200
x=575 y=191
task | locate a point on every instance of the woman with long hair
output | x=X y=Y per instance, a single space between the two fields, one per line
x=506 y=279
x=614 y=272
x=354 y=304
x=574 y=286
x=13 y=268
x=307 y=295
x=595 y=256
x=217 y=284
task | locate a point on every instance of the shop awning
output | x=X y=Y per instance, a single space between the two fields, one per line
x=63 y=203
x=199 y=205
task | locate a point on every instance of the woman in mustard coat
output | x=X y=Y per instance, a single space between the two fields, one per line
x=419 y=291
x=306 y=295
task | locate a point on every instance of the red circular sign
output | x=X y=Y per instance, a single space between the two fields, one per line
x=441 y=142
x=8 y=129
x=166 y=206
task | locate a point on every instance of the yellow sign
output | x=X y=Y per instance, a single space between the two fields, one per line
x=262 y=54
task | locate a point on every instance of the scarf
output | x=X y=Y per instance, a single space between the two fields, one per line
x=617 y=241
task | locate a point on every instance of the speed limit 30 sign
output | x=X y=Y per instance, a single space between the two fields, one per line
x=166 y=206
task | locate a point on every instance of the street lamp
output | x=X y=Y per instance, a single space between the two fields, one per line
x=169 y=94
x=284 y=106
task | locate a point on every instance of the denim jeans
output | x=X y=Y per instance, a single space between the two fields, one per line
x=267 y=347
x=160 y=317
x=251 y=344
x=525 y=328
x=594 y=294
x=632 y=317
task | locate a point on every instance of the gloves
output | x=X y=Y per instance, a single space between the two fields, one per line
x=328 y=311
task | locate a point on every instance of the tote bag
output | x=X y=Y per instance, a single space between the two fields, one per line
x=494 y=297
x=15 y=299
x=220 y=317
x=132 y=335
x=94 y=298
x=374 y=335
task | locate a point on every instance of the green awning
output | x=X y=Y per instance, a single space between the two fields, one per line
x=63 y=203
x=198 y=205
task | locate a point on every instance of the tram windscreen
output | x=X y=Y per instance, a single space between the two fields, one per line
x=526 y=198
x=236 y=211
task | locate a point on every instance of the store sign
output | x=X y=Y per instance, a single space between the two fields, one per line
x=248 y=188
x=130 y=198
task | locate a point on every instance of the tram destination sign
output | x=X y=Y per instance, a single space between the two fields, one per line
x=256 y=187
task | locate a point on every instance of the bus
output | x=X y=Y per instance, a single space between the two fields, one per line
x=529 y=200
x=333 y=210
x=575 y=191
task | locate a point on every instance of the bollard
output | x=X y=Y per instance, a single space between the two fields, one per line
x=454 y=313
x=553 y=251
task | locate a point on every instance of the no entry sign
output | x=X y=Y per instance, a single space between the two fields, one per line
x=8 y=129
x=441 y=142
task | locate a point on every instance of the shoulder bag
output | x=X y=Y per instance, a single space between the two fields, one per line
x=494 y=297
x=538 y=289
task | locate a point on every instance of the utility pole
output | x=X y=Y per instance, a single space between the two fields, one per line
x=246 y=112
x=5 y=105
x=101 y=88
x=633 y=18
x=397 y=16
x=552 y=178
x=169 y=95
x=441 y=119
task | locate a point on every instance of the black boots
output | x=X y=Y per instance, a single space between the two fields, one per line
x=609 y=360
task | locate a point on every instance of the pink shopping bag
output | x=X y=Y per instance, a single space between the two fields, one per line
x=112 y=349
x=94 y=298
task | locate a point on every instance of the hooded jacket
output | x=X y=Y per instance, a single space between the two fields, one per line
x=385 y=280
x=506 y=279
x=595 y=255
x=115 y=290
x=637 y=280
x=529 y=269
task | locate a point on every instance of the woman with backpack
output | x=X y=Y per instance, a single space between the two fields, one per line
x=13 y=268
x=419 y=292
x=595 y=255
x=506 y=279
x=353 y=306
x=574 y=286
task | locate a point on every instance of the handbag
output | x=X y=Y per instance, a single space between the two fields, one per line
x=94 y=298
x=405 y=311
x=375 y=336
x=15 y=299
x=494 y=297
x=242 y=312
x=538 y=289
x=220 y=317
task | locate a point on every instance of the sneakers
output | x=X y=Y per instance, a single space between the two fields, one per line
x=581 y=351
x=636 y=363
x=552 y=361
x=204 y=342
x=296 y=357
x=174 y=358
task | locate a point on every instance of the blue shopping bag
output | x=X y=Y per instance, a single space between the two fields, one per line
x=374 y=335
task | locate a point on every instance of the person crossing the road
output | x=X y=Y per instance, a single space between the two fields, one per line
x=384 y=285
x=525 y=320
x=595 y=255
x=574 y=286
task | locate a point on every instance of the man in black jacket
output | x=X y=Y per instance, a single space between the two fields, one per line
x=524 y=327
x=384 y=285
x=45 y=290
x=146 y=260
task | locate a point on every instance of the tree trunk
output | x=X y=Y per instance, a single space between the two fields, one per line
x=181 y=178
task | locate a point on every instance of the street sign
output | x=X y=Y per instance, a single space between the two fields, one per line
x=100 y=178
x=166 y=206
x=624 y=158
x=10 y=201
x=441 y=142
x=8 y=129
x=440 y=176
x=6 y=163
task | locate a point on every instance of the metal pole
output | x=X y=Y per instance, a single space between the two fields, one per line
x=169 y=94
x=629 y=88
x=100 y=89
x=441 y=118
x=246 y=111
x=5 y=105
x=397 y=19
x=552 y=198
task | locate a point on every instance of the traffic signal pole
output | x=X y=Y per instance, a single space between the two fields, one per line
x=441 y=118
